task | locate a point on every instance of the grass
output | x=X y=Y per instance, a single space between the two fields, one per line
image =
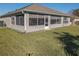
x=42 y=43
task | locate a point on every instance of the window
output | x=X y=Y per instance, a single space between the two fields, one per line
x=46 y=21
x=12 y=20
x=65 y=20
x=36 y=20
x=40 y=21
x=32 y=21
x=17 y=20
x=58 y=21
x=20 y=20
x=53 y=21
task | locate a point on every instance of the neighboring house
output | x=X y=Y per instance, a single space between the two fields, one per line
x=35 y=18
x=75 y=20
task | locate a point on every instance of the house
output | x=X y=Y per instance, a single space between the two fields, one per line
x=35 y=18
x=75 y=20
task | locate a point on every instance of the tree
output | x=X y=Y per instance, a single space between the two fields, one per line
x=75 y=12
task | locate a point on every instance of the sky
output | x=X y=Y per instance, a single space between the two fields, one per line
x=63 y=7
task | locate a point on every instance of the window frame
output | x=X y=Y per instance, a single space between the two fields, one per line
x=32 y=23
x=65 y=20
x=19 y=21
x=51 y=21
x=40 y=21
x=54 y=20
x=58 y=21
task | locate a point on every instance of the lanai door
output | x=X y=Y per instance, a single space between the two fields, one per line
x=46 y=23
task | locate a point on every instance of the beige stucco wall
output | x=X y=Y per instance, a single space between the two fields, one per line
x=7 y=20
x=26 y=28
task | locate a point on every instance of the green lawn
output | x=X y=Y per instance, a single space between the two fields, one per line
x=60 y=41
